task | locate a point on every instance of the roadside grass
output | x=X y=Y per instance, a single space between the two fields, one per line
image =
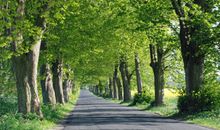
x=10 y=120
x=169 y=109
x=208 y=118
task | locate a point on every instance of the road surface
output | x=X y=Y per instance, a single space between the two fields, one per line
x=95 y=113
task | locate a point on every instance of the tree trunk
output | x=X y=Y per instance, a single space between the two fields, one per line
x=106 y=89
x=58 y=81
x=47 y=85
x=110 y=88
x=157 y=65
x=71 y=87
x=126 y=87
x=23 y=88
x=100 y=88
x=193 y=58
x=115 y=83
x=194 y=74
x=119 y=89
x=96 y=90
x=25 y=67
x=66 y=89
x=138 y=75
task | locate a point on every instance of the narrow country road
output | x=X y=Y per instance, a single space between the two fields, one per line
x=94 y=113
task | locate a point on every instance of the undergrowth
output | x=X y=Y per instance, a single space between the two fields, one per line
x=11 y=120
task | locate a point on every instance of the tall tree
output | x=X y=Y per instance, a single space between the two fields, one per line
x=58 y=80
x=157 y=64
x=25 y=65
x=195 y=31
x=119 y=86
x=138 y=75
x=47 y=85
x=115 y=82
x=110 y=88
x=125 y=81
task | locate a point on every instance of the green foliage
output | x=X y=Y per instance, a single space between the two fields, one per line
x=8 y=105
x=206 y=99
x=91 y=35
x=106 y=95
x=143 y=98
x=7 y=79
x=10 y=120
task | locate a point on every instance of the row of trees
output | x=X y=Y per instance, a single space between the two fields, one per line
x=25 y=26
x=95 y=40
x=173 y=27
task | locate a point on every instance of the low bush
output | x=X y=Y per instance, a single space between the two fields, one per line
x=8 y=105
x=105 y=95
x=205 y=99
x=142 y=98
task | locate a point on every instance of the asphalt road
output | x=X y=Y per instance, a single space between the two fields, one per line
x=95 y=113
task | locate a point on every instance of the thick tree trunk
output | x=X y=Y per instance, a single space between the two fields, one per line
x=22 y=84
x=96 y=90
x=194 y=74
x=159 y=86
x=138 y=75
x=25 y=67
x=120 y=96
x=125 y=82
x=115 y=82
x=66 y=89
x=128 y=75
x=58 y=81
x=100 y=88
x=157 y=65
x=193 y=58
x=110 y=88
x=71 y=87
x=47 y=85
x=106 y=89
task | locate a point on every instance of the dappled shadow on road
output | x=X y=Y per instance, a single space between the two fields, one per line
x=115 y=119
x=92 y=112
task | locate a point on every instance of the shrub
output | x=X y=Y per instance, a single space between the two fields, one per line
x=8 y=105
x=105 y=95
x=142 y=98
x=205 y=99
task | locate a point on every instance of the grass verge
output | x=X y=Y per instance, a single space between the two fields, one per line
x=169 y=109
x=10 y=120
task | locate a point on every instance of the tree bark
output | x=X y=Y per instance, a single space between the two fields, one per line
x=106 y=89
x=110 y=88
x=126 y=87
x=96 y=90
x=67 y=86
x=157 y=65
x=193 y=59
x=71 y=82
x=58 y=81
x=138 y=75
x=120 y=97
x=66 y=89
x=25 y=68
x=22 y=84
x=47 y=85
x=115 y=82
x=100 y=88
x=26 y=64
